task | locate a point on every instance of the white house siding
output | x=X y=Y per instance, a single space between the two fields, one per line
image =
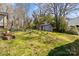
x=3 y=17
x=73 y=22
x=1 y=21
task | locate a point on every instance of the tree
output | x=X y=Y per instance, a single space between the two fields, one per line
x=8 y=10
x=59 y=10
x=36 y=20
x=21 y=14
x=63 y=26
x=40 y=19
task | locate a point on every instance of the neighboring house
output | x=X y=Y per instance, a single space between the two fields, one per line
x=3 y=19
x=46 y=27
x=73 y=22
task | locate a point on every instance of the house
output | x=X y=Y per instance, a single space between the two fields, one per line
x=3 y=19
x=46 y=27
x=74 y=22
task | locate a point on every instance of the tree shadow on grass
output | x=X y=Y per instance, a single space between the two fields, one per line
x=71 y=49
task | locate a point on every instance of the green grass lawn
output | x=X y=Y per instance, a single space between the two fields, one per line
x=36 y=43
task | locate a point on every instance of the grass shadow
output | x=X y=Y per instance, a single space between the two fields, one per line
x=71 y=49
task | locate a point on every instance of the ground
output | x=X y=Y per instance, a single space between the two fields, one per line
x=34 y=43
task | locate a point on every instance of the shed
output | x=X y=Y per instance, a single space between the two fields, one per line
x=46 y=27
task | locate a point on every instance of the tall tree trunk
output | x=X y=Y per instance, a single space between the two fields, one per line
x=57 y=22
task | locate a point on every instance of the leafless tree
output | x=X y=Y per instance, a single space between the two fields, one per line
x=58 y=10
x=21 y=11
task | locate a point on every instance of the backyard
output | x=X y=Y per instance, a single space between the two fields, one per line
x=34 y=43
x=42 y=29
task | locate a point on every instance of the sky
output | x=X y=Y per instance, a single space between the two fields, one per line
x=70 y=15
x=33 y=7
